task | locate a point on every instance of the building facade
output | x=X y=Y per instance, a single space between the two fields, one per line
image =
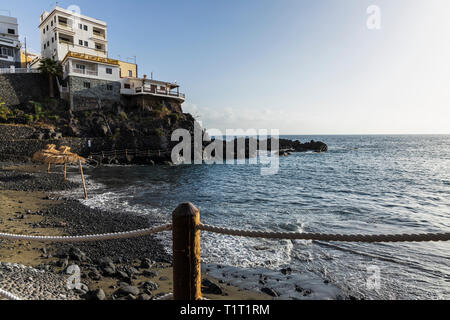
x=9 y=42
x=62 y=31
x=91 y=79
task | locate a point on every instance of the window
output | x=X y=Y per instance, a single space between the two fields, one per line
x=130 y=73
x=108 y=70
x=127 y=86
x=53 y=40
x=48 y=43
x=56 y=35
x=7 y=52
x=11 y=31
x=86 y=44
x=51 y=24
x=80 y=26
x=54 y=18
x=85 y=28
x=109 y=87
x=80 y=42
x=46 y=28
x=98 y=46
x=45 y=46
x=80 y=66
x=87 y=85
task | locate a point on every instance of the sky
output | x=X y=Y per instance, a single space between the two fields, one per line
x=300 y=66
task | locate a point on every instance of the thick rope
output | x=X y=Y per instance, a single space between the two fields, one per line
x=168 y=296
x=330 y=237
x=88 y=238
x=9 y=295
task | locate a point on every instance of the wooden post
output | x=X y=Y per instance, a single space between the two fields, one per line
x=187 y=275
x=48 y=168
x=65 y=171
x=82 y=180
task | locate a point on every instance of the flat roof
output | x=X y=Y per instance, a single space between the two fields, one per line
x=8 y=19
x=70 y=13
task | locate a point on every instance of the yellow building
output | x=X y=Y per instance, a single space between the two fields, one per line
x=27 y=58
x=128 y=70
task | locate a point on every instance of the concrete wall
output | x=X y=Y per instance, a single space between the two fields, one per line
x=18 y=88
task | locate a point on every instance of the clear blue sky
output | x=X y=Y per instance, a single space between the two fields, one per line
x=304 y=67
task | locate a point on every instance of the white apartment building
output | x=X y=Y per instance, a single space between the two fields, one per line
x=63 y=31
x=9 y=42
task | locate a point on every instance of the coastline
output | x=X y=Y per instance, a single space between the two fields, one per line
x=144 y=272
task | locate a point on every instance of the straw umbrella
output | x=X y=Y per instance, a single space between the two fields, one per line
x=62 y=156
x=40 y=156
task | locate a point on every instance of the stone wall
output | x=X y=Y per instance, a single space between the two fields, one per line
x=13 y=132
x=18 y=88
x=87 y=98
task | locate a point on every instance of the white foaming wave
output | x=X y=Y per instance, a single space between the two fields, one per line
x=246 y=252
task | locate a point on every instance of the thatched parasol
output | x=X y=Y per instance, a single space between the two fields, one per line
x=62 y=156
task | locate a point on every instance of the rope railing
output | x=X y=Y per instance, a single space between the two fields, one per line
x=424 y=237
x=88 y=238
x=8 y=295
x=186 y=228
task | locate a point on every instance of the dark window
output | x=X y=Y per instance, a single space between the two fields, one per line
x=108 y=70
x=51 y=23
x=130 y=73
x=85 y=28
x=45 y=46
x=80 y=26
x=47 y=28
x=56 y=35
x=86 y=44
x=44 y=30
x=127 y=86
x=54 y=18
x=53 y=40
x=80 y=42
x=109 y=87
x=48 y=43
x=11 y=31
x=87 y=85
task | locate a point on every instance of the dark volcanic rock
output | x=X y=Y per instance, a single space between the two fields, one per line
x=82 y=220
x=10 y=180
x=270 y=292
x=209 y=287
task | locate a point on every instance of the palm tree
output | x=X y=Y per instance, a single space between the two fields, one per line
x=51 y=68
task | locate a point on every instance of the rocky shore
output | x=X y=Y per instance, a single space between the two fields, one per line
x=129 y=269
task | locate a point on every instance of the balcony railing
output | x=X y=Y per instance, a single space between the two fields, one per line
x=159 y=92
x=86 y=72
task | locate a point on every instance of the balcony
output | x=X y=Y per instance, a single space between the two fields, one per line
x=153 y=91
x=86 y=72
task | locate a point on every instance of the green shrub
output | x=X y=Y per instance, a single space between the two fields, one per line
x=158 y=132
x=123 y=116
x=29 y=118
x=174 y=117
x=5 y=112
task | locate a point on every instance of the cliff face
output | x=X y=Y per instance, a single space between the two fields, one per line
x=145 y=127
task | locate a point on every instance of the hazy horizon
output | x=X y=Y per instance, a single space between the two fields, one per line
x=299 y=66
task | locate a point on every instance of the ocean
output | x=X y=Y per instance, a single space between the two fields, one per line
x=363 y=184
